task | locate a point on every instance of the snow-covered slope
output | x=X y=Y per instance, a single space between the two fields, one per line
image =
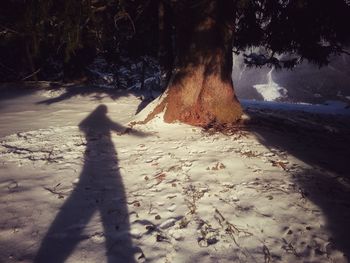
x=271 y=91
x=305 y=83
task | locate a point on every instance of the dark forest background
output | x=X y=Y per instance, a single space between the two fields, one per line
x=67 y=40
x=58 y=40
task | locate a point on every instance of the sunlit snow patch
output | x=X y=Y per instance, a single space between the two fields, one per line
x=271 y=91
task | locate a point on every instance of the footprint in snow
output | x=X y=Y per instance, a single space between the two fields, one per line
x=172 y=208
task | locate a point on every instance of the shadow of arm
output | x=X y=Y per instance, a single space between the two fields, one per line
x=130 y=131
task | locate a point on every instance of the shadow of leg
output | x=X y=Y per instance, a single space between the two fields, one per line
x=65 y=231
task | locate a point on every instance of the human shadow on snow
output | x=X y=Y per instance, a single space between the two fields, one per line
x=99 y=189
x=324 y=146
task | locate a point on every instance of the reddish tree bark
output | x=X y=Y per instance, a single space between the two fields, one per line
x=200 y=91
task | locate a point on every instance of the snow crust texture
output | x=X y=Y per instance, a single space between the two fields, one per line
x=165 y=193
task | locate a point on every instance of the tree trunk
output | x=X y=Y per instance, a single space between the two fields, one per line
x=31 y=64
x=200 y=91
x=165 y=49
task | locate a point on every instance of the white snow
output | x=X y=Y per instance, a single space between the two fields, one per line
x=162 y=192
x=271 y=90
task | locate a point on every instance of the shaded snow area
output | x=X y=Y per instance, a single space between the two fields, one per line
x=86 y=189
x=328 y=108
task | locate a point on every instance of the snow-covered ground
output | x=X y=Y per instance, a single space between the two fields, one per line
x=74 y=187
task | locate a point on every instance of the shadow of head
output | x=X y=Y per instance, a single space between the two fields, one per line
x=98 y=122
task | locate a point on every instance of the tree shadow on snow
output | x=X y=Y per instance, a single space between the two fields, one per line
x=97 y=93
x=13 y=90
x=324 y=146
x=99 y=189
